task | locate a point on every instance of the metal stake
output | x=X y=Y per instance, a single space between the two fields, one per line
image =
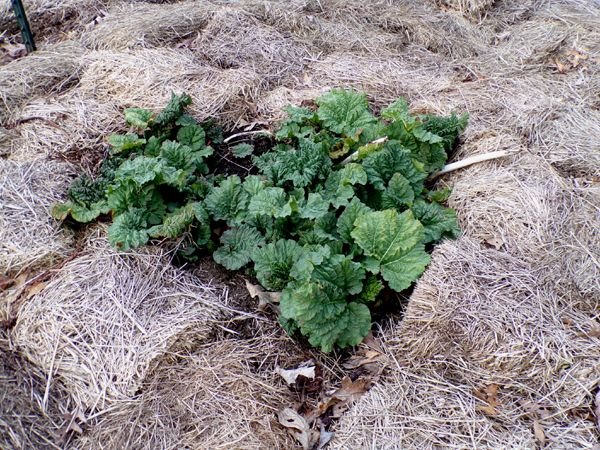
x=23 y=25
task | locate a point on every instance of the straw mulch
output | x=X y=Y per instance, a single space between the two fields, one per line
x=499 y=344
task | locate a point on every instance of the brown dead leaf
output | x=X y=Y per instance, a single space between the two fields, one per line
x=538 y=431
x=487 y=409
x=594 y=331
x=306 y=370
x=265 y=298
x=5 y=282
x=35 y=289
x=298 y=427
x=489 y=394
x=562 y=68
x=343 y=397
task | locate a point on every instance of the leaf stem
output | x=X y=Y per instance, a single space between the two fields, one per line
x=472 y=160
x=246 y=133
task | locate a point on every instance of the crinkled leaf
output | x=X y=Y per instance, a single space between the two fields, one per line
x=141 y=170
x=345 y=223
x=315 y=207
x=341 y=272
x=242 y=150
x=382 y=234
x=338 y=186
x=85 y=214
x=395 y=241
x=173 y=111
x=372 y=287
x=344 y=111
x=228 y=201
x=302 y=166
x=237 y=245
x=253 y=184
x=178 y=156
x=273 y=263
x=138 y=117
x=297 y=124
x=382 y=165
x=323 y=314
x=403 y=268
x=128 y=230
x=440 y=195
x=121 y=143
x=438 y=221
x=448 y=128
x=312 y=256
x=177 y=222
x=192 y=136
x=399 y=193
x=271 y=201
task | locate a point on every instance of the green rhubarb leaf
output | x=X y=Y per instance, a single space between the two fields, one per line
x=345 y=223
x=85 y=214
x=271 y=201
x=399 y=193
x=339 y=185
x=395 y=241
x=121 y=143
x=242 y=150
x=315 y=207
x=237 y=246
x=324 y=315
x=192 y=136
x=372 y=287
x=173 y=111
x=302 y=166
x=228 y=201
x=273 y=263
x=128 y=230
x=382 y=165
x=438 y=221
x=141 y=170
x=138 y=117
x=177 y=222
x=340 y=271
x=344 y=111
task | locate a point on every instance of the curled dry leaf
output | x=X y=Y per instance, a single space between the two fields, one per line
x=538 y=431
x=489 y=395
x=264 y=297
x=298 y=427
x=306 y=369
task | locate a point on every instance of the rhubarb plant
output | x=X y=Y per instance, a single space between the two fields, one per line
x=337 y=211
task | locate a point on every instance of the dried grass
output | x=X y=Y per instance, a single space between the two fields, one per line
x=45 y=72
x=105 y=317
x=148 y=25
x=502 y=305
x=222 y=396
x=513 y=302
x=29 y=237
x=31 y=411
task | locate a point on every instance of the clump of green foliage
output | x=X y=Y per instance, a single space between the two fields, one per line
x=336 y=211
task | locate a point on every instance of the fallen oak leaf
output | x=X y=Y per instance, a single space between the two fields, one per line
x=343 y=397
x=265 y=298
x=298 y=427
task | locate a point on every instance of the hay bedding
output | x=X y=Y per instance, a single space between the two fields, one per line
x=511 y=306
